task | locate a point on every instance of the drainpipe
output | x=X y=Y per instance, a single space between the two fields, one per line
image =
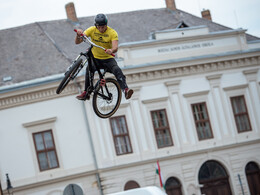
x=90 y=141
x=242 y=189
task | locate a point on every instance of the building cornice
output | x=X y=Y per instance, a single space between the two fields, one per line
x=135 y=75
x=34 y=123
x=145 y=43
x=21 y=97
x=55 y=180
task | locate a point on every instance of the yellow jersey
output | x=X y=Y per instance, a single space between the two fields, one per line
x=102 y=39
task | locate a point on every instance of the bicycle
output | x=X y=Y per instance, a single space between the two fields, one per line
x=106 y=91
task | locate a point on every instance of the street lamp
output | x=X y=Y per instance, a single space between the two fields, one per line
x=9 y=185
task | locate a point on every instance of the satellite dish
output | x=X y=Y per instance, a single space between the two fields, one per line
x=73 y=189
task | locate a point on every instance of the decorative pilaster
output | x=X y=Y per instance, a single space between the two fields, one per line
x=254 y=91
x=138 y=118
x=176 y=105
x=221 y=112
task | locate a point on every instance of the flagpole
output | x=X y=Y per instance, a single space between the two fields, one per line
x=158 y=171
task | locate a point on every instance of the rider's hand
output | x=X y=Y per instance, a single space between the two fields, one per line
x=109 y=51
x=78 y=38
x=79 y=32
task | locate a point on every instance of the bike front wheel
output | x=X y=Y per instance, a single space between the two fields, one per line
x=107 y=99
x=69 y=75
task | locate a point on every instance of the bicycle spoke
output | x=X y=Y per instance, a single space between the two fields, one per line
x=107 y=101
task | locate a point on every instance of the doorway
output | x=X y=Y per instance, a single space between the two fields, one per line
x=253 y=178
x=214 y=179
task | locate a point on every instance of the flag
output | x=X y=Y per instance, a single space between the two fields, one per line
x=158 y=171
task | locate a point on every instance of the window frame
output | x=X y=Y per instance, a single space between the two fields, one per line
x=45 y=150
x=240 y=114
x=120 y=135
x=161 y=128
x=200 y=121
x=39 y=126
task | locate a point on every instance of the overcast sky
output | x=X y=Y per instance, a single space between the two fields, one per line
x=231 y=13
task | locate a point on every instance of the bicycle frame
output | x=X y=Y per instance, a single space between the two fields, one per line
x=91 y=75
x=90 y=58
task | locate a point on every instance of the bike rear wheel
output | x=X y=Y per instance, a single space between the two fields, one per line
x=68 y=76
x=107 y=99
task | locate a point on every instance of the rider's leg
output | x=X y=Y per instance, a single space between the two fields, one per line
x=113 y=67
x=85 y=95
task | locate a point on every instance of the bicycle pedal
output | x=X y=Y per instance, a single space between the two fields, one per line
x=102 y=82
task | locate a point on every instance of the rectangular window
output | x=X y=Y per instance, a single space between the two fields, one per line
x=240 y=113
x=202 y=121
x=45 y=149
x=161 y=128
x=120 y=135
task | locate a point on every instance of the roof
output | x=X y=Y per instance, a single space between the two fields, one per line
x=46 y=48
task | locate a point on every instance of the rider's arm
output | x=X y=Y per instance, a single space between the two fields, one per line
x=114 y=47
x=78 y=39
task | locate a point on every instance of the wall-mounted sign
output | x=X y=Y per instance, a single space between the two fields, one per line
x=185 y=46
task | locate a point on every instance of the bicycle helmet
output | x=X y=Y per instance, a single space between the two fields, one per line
x=100 y=20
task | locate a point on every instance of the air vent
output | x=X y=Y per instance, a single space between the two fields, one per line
x=7 y=78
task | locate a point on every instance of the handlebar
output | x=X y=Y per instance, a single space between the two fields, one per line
x=85 y=38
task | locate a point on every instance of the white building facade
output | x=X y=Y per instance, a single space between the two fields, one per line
x=196 y=110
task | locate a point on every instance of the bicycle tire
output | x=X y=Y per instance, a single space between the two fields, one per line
x=68 y=76
x=106 y=108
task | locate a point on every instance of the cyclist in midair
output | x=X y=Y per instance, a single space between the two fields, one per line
x=107 y=37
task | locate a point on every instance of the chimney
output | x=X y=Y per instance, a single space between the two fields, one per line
x=206 y=14
x=71 y=13
x=170 y=4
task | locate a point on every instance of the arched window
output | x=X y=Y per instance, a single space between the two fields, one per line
x=131 y=185
x=173 y=186
x=253 y=177
x=214 y=179
x=73 y=189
